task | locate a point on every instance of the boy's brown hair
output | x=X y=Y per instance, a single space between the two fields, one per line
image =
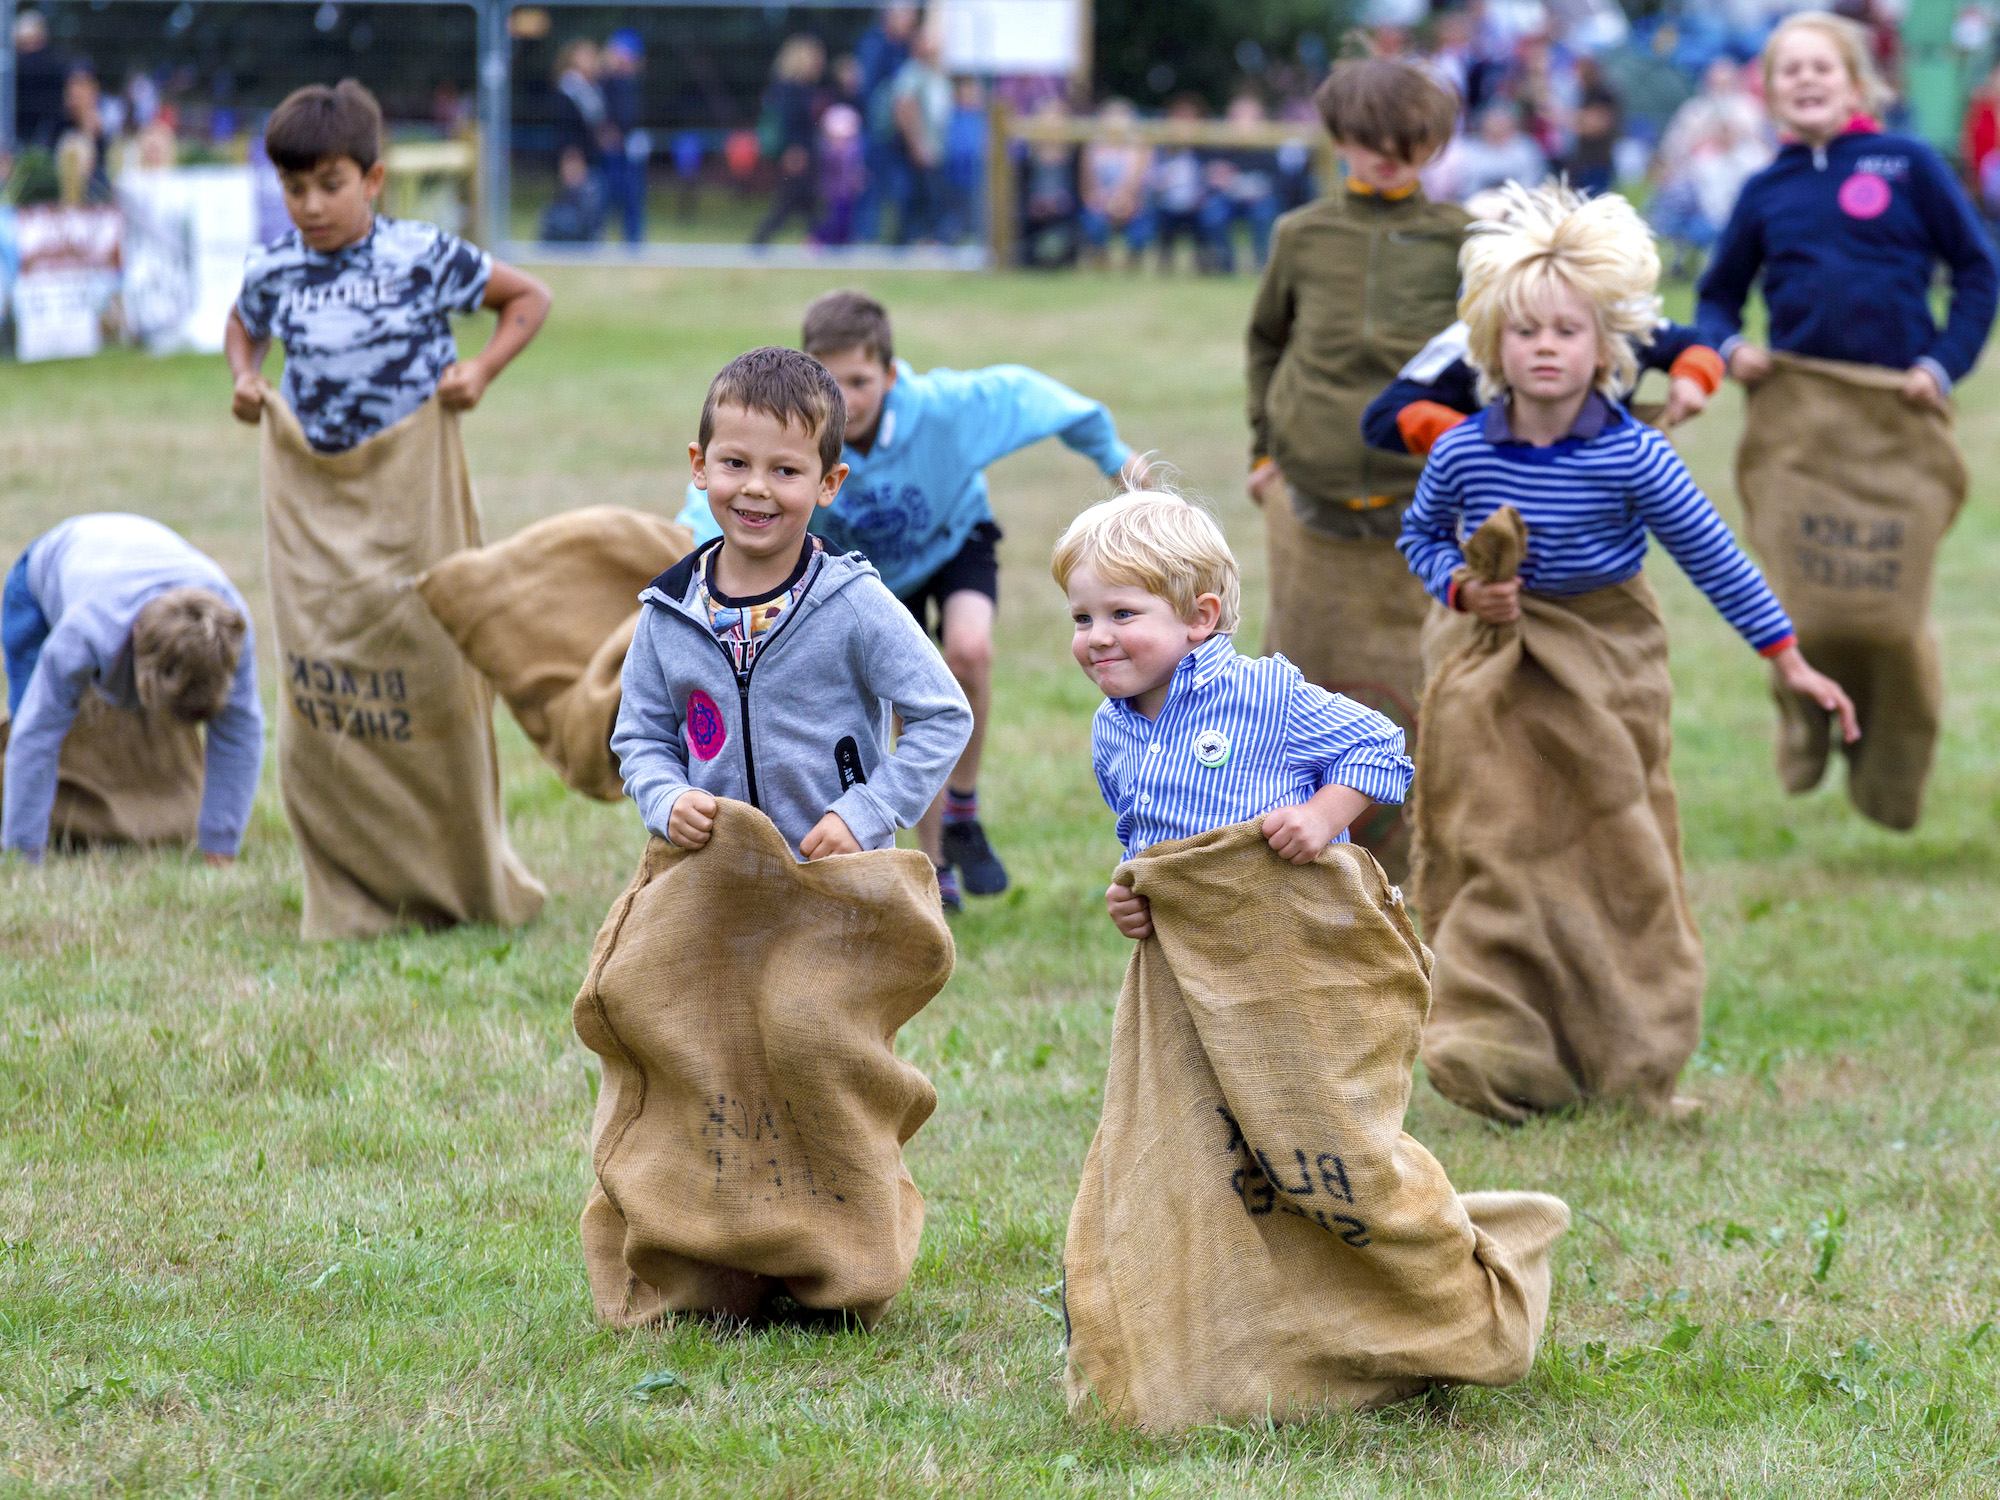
x=317 y=122
x=848 y=320
x=1396 y=108
x=186 y=646
x=792 y=387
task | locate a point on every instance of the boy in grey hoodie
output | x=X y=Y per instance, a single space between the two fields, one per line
x=766 y=666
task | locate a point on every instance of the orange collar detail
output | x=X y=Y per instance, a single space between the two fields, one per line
x=1363 y=190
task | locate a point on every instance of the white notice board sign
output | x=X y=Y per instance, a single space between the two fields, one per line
x=68 y=286
x=1013 y=38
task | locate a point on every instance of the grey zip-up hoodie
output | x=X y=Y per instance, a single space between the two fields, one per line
x=806 y=730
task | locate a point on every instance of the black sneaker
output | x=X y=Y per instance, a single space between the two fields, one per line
x=947 y=879
x=965 y=846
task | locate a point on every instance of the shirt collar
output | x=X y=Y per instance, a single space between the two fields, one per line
x=1857 y=124
x=1591 y=419
x=1362 y=189
x=328 y=257
x=1196 y=671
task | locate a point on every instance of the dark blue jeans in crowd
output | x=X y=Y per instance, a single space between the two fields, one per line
x=625 y=193
x=1097 y=229
x=920 y=203
x=1220 y=215
x=880 y=155
x=23 y=629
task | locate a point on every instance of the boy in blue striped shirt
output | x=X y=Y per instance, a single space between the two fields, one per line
x=1191 y=736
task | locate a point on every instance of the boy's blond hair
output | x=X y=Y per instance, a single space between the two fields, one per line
x=1549 y=235
x=1848 y=39
x=1156 y=541
x=186 y=645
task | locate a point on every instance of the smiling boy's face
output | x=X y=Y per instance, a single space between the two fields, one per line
x=764 y=481
x=1128 y=641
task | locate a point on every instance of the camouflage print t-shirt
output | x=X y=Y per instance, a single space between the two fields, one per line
x=365 y=329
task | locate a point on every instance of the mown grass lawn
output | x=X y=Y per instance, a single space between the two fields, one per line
x=284 y=1219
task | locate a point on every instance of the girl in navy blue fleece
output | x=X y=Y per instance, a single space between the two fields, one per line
x=1846 y=227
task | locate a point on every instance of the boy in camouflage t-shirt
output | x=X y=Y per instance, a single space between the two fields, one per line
x=361 y=304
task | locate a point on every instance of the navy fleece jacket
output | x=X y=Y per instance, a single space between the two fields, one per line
x=1847 y=237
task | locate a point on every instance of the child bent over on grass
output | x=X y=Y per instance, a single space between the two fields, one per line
x=915 y=505
x=386 y=756
x=1548 y=860
x=121 y=605
x=766 y=665
x=1254 y=1236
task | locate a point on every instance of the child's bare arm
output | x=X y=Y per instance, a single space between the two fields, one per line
x=1300 y=831
x=246 y=364
x=522 y=303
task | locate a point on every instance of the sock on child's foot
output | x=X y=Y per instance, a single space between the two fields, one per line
x=948 y=891
x=961 y=807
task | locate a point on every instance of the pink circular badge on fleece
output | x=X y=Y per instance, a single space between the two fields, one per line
x=1864 y=196
x=705 y=732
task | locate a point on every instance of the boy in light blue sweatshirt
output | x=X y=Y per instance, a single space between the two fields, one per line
x=915 y=504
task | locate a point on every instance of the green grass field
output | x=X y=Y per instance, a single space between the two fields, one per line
x=279 y=1219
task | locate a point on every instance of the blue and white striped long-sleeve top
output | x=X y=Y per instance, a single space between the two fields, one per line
x=1237 y=737
x=1589 y=501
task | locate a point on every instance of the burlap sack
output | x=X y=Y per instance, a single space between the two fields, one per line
x=125 y=777
x=385 y=732
x=547 y=615
x=1548 y=851
x=1255 y=1235
x=1348 y=614
x=752 y=1114
x=1847 y=490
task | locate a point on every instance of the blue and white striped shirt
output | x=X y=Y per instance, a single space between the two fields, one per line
x=1237 y=736
x=1588 y=501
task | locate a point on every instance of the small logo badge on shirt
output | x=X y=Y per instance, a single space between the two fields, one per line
x=705 y=729
x=1864 y=196
x=1211 y=748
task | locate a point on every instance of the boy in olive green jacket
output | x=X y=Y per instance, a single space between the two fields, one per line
x=1357 y=283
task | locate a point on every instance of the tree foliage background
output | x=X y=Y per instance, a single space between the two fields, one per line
x=1147 y=50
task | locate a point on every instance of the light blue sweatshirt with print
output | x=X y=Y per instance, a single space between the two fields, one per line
x=911 y=502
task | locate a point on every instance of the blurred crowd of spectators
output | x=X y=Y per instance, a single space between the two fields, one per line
x=72 y=137
x=1668 y=109
x=880 y=144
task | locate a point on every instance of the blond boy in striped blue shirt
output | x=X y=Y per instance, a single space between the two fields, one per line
x=1192 y=736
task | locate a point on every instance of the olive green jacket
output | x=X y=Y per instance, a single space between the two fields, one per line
x=1356 y=285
